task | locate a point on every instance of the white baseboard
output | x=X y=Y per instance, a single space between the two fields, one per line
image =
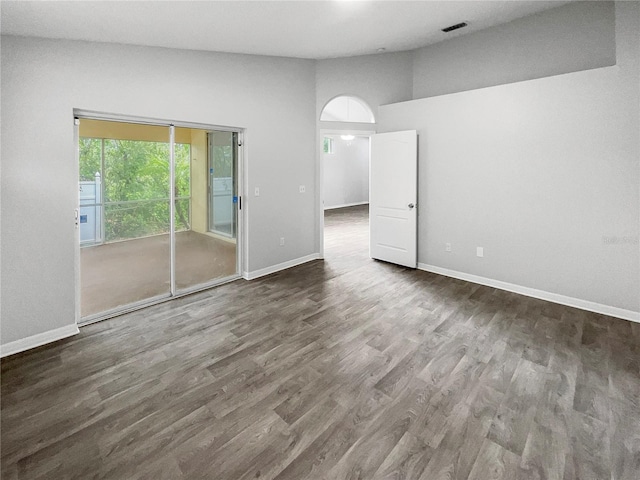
x=281 y=266
x=532 y=292
x=37 y=340
x=333 y=207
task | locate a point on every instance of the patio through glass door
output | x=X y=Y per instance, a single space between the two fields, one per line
x=158 y=213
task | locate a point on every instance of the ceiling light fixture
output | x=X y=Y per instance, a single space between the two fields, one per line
x=347 y=137
x=380 y=50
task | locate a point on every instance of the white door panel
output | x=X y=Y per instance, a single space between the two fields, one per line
x=393 y=197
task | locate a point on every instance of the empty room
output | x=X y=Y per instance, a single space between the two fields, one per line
x=320 y=240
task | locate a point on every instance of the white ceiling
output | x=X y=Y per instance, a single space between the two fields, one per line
x=304 y=29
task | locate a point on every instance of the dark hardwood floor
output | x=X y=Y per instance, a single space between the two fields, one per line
x=346 y=368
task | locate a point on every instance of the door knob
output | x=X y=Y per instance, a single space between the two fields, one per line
x=411 y=205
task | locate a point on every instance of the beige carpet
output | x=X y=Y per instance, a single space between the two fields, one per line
x=122 y=273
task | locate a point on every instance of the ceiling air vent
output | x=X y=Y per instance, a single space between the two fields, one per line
x=454 y=27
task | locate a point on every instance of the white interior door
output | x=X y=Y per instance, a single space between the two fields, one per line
x=393 y=198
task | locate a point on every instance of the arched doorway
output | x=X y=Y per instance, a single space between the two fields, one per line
x=346 y=123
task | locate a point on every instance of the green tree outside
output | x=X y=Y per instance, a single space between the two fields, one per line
x=136 y=185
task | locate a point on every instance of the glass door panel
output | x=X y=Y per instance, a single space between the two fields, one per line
x=206 y=207
x=129 y=199
x=222 y=212
x=90 y=188
x=125 y=254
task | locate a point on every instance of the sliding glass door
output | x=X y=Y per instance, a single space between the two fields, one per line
x=204 y=254
x=145 y=205
x=222 y=182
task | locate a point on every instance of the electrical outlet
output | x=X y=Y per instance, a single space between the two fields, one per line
x=447 y=247
x=281 y=241
x=302 y=189
x=257 y=192
x=480 y=251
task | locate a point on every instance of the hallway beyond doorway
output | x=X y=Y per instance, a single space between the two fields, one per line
x=346 y=233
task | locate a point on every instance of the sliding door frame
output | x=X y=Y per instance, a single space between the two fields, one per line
x=172 y=209
x=240 y=231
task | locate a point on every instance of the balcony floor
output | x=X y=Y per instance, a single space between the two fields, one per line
x=121 y=273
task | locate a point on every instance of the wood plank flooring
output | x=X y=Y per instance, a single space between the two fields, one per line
x=346 y=368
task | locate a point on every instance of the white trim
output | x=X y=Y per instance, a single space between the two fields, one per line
x=320 y=192
x=336 y=132
x=160 y=122
x=241 y=240
x=281 y=266
x=76 y=232
x=37 y=340
x=322 y=132
x=243 y=207
x=347 y=205
x=532 y=292
x=172 y=207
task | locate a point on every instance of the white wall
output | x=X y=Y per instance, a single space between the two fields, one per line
x=570 y=38
x=377 y=79
x=544 y=174
x=346 y=172
x=44 y=80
